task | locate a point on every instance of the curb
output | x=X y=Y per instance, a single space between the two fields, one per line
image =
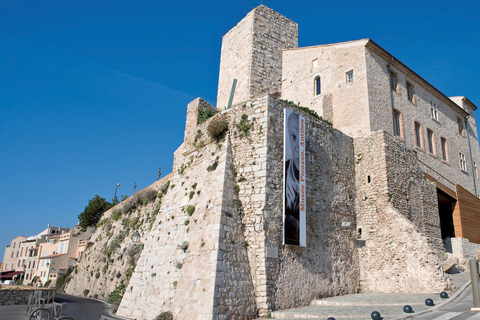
x=454 y=297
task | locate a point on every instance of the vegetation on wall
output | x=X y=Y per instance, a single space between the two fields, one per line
x=204 y=114
x=63 y=279
x=244 y=125
x=115 y=297
x=217 y=128
x=167 y=315
x=309 y=111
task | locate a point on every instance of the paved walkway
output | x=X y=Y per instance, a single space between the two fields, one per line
x=360 y=306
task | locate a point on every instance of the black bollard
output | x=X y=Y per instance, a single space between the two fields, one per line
x=407 y=309
x=444 y=295
x=429 y=303
x=376 y=315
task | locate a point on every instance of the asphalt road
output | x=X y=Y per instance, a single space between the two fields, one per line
x=456 y=310
x=77 y=307
x=82 y=308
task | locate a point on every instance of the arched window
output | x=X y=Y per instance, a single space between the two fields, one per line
x=318 y=86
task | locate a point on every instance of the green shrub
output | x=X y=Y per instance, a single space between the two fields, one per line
x=184 y=246
x=191 y=194
x=93 y=211
x=116 y=215
x=186 y=222
x=97 y=275
x=63 y=279
x=197 y=135
x=167 y=315
x=205 y=113
x=217 y=128
x=189 y=209
x=182 y=169
x=199 y=144
x=244 y=126
x=213 y=166
x=115 y=297
x=194 y=186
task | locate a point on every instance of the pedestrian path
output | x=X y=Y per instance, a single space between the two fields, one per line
x=389 y=305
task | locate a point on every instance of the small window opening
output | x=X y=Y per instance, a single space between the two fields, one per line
x=318 y=86
x=349 y=75
x=368 y=179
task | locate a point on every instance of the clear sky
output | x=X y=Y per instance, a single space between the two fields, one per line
x=95 y=92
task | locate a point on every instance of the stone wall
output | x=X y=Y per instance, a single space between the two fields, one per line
x=328 y=265
x=18 y=296
x=397 y=215
x=111 y=254
x=463 y=250
x=235 y=233
x=252 y=54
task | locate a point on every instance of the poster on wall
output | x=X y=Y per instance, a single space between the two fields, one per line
x=294 y=200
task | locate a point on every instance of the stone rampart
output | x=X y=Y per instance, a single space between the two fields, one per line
x=398 y=222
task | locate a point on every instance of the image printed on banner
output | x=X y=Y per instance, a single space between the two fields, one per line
x=294 y=222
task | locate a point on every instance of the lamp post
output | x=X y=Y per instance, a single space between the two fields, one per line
x=115 y=201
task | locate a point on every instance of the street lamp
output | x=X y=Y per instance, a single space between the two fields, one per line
x=115 y=201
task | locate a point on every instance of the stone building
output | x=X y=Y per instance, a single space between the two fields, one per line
x=45 y=255
x=391 y=188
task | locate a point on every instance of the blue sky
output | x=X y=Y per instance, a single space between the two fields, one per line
x=94 y=92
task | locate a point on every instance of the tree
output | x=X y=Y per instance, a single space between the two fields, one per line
x=92 y=213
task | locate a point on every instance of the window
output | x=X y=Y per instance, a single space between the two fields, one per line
x=460 y=127
x=433 y=111
x=349 y=75
x=431 y=141
x=318 y=88
x=444 y=149
x=397 y=123
x=463 y=162
x=33 y=265
x=410 y=93
x=418 y=135
x=393 y=81
x=315 y=63
x=14 y=245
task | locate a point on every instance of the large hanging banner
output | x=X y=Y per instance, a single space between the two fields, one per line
x=294 y=200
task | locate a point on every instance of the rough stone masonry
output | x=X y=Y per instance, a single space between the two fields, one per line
x=212 y=233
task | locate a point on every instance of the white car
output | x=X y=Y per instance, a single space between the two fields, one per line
x=8 y=282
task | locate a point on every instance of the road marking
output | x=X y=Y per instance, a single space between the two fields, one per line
x=448 y=316
x=475 y=317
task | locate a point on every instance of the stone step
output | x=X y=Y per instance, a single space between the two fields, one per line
x=345 y=312
x=377 y=299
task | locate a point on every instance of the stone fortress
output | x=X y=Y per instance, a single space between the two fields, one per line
x=391 y=186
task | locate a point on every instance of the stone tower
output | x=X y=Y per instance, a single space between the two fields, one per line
x=252 y=54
